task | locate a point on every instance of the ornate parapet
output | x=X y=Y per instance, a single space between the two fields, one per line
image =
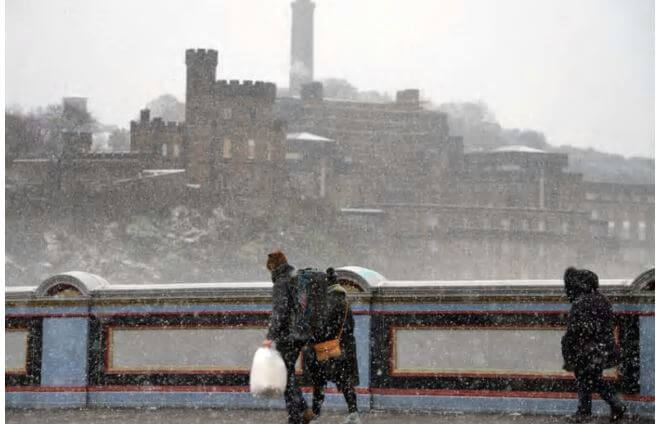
x=476 y=346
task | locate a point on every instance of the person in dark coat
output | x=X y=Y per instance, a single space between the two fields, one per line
x=588 y=346
x=342 y=370
x=281 y=332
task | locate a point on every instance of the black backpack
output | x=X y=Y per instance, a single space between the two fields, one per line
x=311 y=303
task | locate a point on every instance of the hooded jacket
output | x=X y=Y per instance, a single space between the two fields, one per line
x=284 y=306
x=343 y=370
x=589 y=339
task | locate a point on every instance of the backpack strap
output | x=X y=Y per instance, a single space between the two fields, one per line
x=340 y=333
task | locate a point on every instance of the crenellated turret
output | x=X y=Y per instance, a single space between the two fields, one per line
x=201 y=73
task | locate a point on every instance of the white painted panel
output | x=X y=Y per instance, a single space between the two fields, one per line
x=16 y=351
x=180 y=349
x=477 y=350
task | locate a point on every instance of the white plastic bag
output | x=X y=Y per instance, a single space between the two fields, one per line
x=268 y=373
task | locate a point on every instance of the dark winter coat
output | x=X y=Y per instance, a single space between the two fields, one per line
x=589 y=340
x=284 y=304
x=343 y=370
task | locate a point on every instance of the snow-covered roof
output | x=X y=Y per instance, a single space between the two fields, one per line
x=519 y=149
x=305 y=136
x=362 y=210
x=156 y=172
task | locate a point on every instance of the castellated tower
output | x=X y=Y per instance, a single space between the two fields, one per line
x=301 y=45
x=232 y=139
x=201 y=74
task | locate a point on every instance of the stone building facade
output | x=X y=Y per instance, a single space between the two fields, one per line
x=625 y=213
x=384 y=151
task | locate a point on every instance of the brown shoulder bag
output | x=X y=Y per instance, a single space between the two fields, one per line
x=330 y=348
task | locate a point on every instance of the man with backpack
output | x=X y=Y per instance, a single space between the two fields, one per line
x=284 y=330
x=588 y=346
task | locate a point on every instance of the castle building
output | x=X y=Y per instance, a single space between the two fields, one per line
x=411 y=202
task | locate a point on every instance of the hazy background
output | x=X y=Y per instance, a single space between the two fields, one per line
x=580 y=71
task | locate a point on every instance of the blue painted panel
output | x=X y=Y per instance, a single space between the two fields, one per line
x=362 y=336
x=191 y=308
x=498 y=405
x=45 y=400
x=563 y=307
x=64 y=360
x=334 y=402
x=647 y=355
x=45 y=310
x=430 y=307
x=183 y=399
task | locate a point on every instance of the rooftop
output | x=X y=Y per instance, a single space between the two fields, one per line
x=305 y=136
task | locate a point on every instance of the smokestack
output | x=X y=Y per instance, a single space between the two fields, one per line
x=301 y=45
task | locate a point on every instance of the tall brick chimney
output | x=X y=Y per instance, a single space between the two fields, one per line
x=301 y=45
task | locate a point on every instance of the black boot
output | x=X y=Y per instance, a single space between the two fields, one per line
x=617 y=413
x=579 y=417
x=318 y=399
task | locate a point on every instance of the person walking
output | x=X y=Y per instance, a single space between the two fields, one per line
x=588 y=346
x=342 y=370
x=282 y=334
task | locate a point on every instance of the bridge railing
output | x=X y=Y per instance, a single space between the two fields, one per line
x=485 y=346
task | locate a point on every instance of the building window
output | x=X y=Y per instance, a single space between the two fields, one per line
x=226 y=152
x=611 y=228
x=164 y=150
x=505 y=224
x=176 y=150
x=525 y=225
x=486 y=223
x=226 y=113
x=432 y=222
x=591 y=196
x=626 y=230
x=595 y=214
x=541 y=225
x=294 y=156
x=269 y=151
x=251 y=149
x=565 y=227
x=641 y=231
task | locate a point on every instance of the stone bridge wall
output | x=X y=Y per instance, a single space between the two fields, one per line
x=483 y=346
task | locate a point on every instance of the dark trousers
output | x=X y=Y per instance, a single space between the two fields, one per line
x=590 y=380
x=295 y=403
x=348 y=393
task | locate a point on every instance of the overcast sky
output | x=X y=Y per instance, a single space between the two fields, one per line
x=581 y=71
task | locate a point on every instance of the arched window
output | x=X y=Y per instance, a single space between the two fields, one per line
x=176 y=150
x=251 y=149
x=226 y=152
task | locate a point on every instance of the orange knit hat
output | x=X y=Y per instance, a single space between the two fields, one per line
x=275 y=259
